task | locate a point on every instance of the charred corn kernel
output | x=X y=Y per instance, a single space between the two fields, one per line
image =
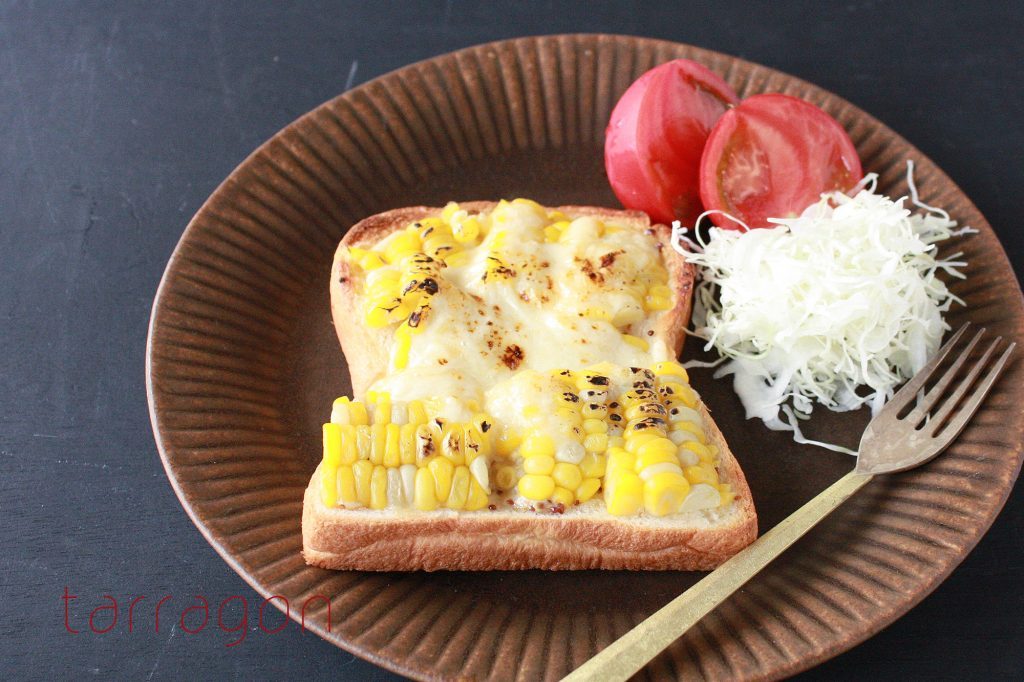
x=481 y=475
x=537 y=444
x=392 y=445
x=536 y=486
x=699 y=449
x=438 y=245
x=332 y=445
x=362 y=471
x=460 y=488
x=451 y=443
x=619 y=459
x=507 y=441
x=567 y=475
x=442 y=471
x=596 y=442
x=671 y=369
x=593 y=465
x=346 y=486
x=594 y=411
x=587 y=489
x=595 y=426
x=378 y=442
x=378 y=488
x=677 y=393
x=425 y=496
x=505 y=478
x=349 y=452
x=329 y=485
x=430 y=225
x=407 y=443
x=624 y=494
x=539 y=464
x=426 y=443
x=357 y=413
x=563 y=496
x=664 y=493
x=403 y=343
x=478 y=497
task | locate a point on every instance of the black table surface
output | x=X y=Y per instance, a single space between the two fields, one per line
x=118 y=119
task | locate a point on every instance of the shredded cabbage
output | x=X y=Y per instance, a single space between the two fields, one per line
x=838 y=306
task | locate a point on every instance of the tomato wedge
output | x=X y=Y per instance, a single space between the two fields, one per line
x=655 y=137
x=772 y=157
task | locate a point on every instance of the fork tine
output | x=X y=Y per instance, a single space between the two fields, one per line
x=939 y=388
x=961 y=390
x=967 y=410
x=911 y=388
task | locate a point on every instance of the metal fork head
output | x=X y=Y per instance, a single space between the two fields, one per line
x=891 y=443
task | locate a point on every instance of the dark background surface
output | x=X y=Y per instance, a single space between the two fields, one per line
x=117 y=120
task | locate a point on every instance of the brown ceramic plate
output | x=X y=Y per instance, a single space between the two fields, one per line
x=243 y=364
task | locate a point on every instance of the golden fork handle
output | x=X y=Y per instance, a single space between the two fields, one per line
x=625 y=656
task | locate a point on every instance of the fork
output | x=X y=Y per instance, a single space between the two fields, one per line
x=890 y=443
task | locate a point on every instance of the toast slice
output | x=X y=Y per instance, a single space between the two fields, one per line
x=375 y=518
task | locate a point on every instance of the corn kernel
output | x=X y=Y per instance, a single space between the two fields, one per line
x=456 y=259
x=664 y=493
x=725 y=491
x=452 y=443
x=442 y=471
x=653 y=457
x=392 y=445
x=692 y=428
x=478 y=468
x=467 y=231
x=361 y=471
x=403 y=344
x=700 y=449
x=539 y=464
x=537 y=444
x=551 y=234
x=619 y=459
x=536 y=487
x=596 y=442
x=364 y=441
x=425 y=442
x=587 y=489
x=449 y=210
x=460 y=488
x=656 y=303
x=624 y=494
x=656 y=445
x=329 y=486
x=594 y=411
x=637 y=438
x=569 y=415
x=332 y=445
x=700 y=474
x=563 y=496
x=349 y=453
x=593 y=465
x=597 y=314
x=595 y=426
x=567 y=475
x=378 y=487
x=507 y=442
x=660 y=290
x=346 y=486
x=357 y=413
x=478 y=497
x=425 y=497
x=628 y=313
x=407 y=443
x=671 y=369
x=636 y=342
x=401 y=245
x=379 y=441
x=505 y=478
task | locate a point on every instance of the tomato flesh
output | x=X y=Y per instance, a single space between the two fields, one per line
x=772 y=157
x=655 y=137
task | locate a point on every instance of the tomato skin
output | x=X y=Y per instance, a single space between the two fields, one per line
x=772 y=157
x=655 y=137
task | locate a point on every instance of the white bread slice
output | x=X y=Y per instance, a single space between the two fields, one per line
x=583 y=537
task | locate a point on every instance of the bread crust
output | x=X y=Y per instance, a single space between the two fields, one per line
x=585 y=538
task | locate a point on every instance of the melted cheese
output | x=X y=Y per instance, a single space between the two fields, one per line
x=542 y=311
